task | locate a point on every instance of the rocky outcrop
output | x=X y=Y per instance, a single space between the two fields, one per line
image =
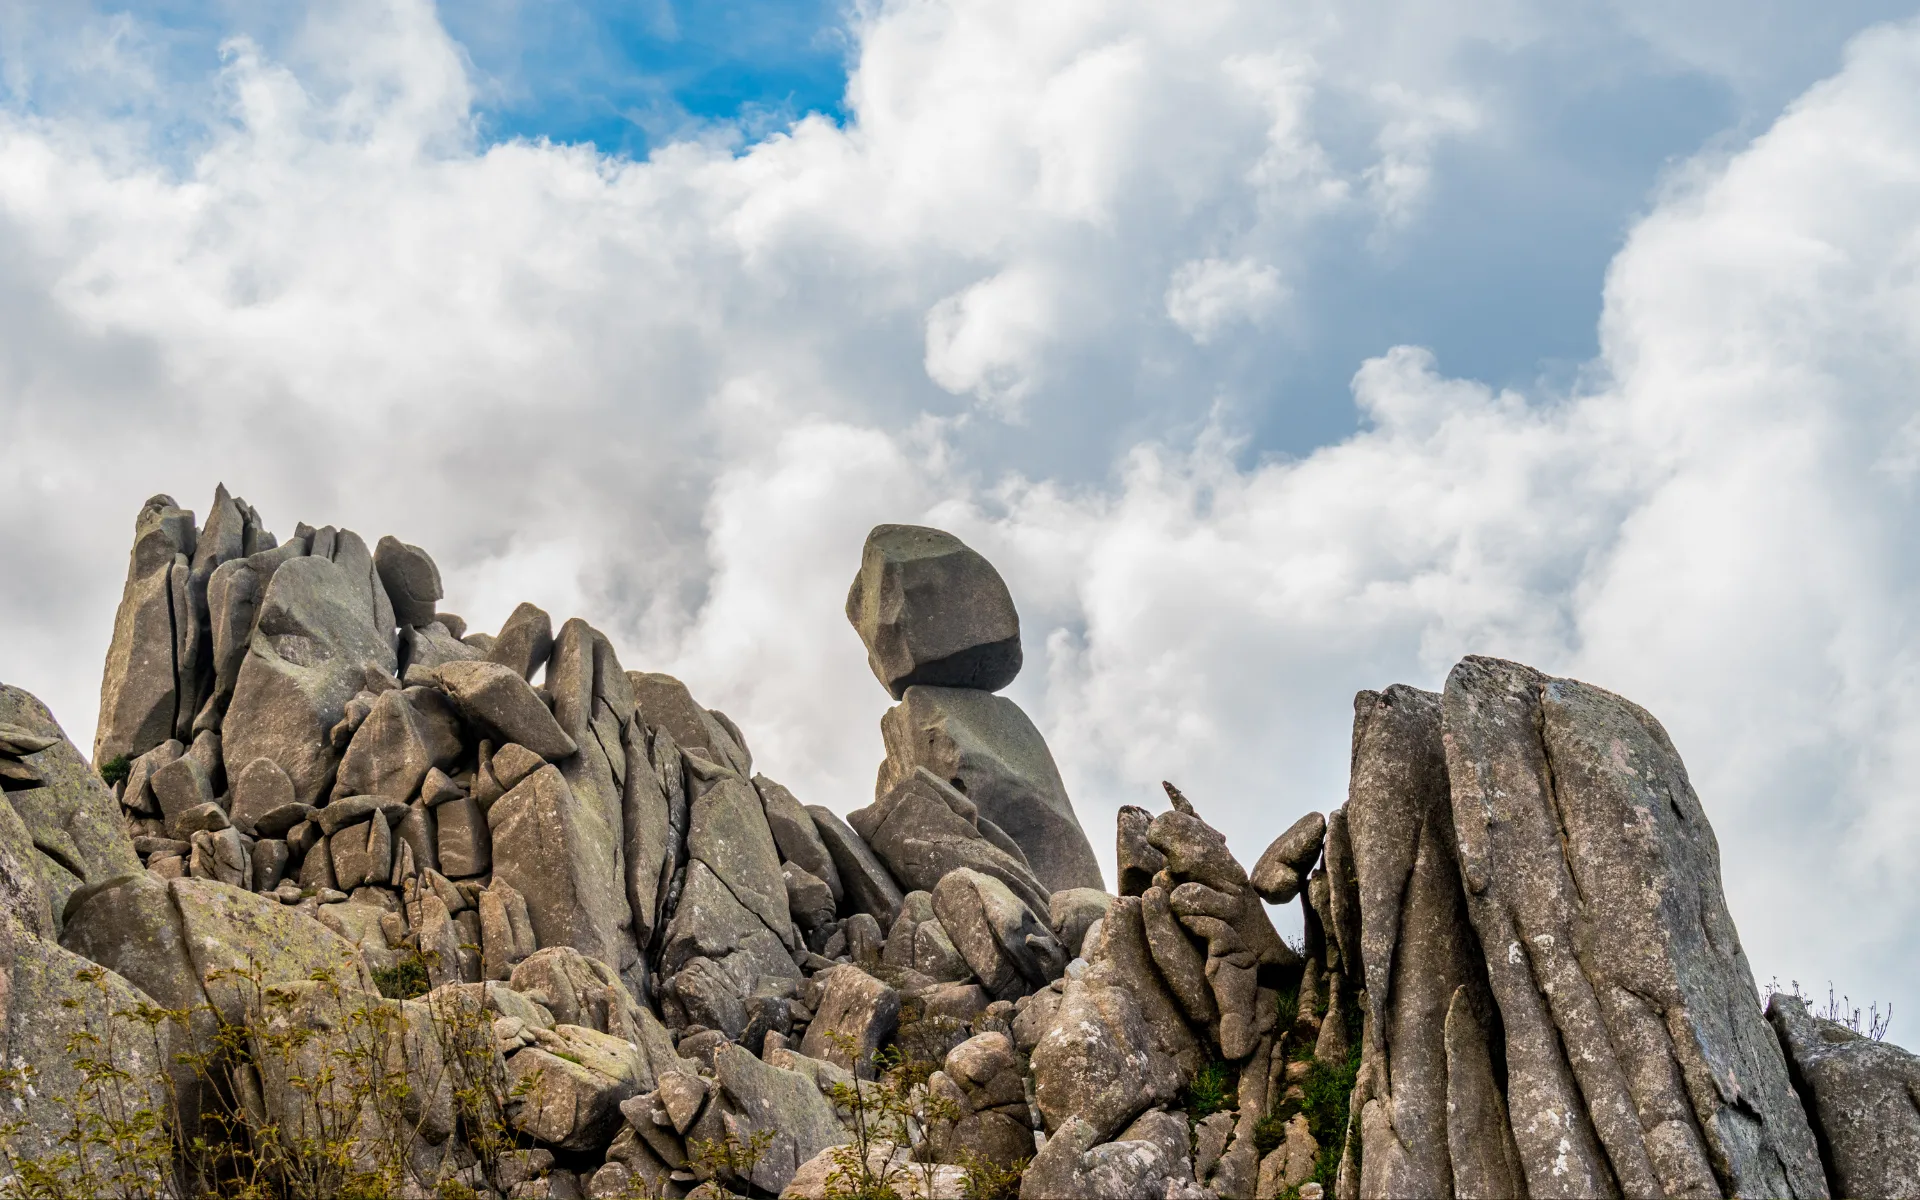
x=942 y=635
x=565 y=942
x=985 y=747
x=1863 y=1096
x=1638 y=1059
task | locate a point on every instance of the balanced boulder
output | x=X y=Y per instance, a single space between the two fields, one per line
x=931 y=610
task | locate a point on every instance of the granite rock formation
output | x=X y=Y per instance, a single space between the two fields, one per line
x=323 y=805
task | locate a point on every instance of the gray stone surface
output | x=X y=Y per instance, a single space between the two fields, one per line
x=796 y=835
x=545 y=850
x=574 y=1090
x=138 y=694
x=411 y=579
x=1863 y=1097
x=728 y=832
x=431 y=645
x=931 y=610
x=1008 y=947
x=1070 y=913
x=464 y=847
x=857 y=1007
x=43 y=1006
x=649 y=839
x=181 y=787
x=1138 y=862
x=71 y=820
x=985 y=746
x=923 y=829
x=260 y=787
x=1637 y=1055
x=1480 y=1146
x=665 y=703
x=784 y=1105
x=501 y=703
x=525 y=642
x=870 y=887
x=1117 y=1044
x=1416 y=945
x=389 y=755
x=711 y=922
x=311 y=649
x=1285 y=865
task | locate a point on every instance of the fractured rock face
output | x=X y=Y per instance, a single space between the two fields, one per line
x=923 y=830
x=984 y=746
x=139 y=695
x=546 y=850
x=1637 y=1058
x=69 y=817
x=870 y=887
x=1416 y=947
x=931 y=610
x=315 y=640
x=1860 y=1095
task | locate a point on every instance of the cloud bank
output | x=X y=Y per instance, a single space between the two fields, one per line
x=1027 y=292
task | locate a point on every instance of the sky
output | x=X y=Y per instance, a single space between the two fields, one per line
x=1272 y=352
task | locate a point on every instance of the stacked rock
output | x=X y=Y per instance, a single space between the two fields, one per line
x=1518 y=974
x=942 y=636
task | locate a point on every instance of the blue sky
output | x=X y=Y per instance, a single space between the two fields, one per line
x=1272 y=352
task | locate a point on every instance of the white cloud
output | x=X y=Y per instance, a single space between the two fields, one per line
x=672 y=395
x=1208 y=294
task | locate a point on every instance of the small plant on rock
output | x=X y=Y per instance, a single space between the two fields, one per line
x=1210 y=1091
x=988 y=1180
x=115 y=769
x=730 y=1158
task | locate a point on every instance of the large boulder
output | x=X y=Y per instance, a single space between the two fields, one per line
x=931 y=610
x=1117 y=1044
x=796 y=835
x=857 y=1015
x=1861 y=1095
x=985 y=746
x=785 y=1106
x=497 y=700
x=923 y=829
x=525 y=641
x=998 y=934
x=550 y=850
x=411 y=579
x=70 y=818
x=80 y=1057
x=138 y=690
x=1637 y=1056
x=316 y=638
x=711 y=922
x=571 y=1085
x=869 y=886
x=1416 y=946
x=593 y=703
x=728 y=833
x=665 y=703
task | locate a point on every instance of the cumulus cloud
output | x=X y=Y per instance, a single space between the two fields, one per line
x=1015 y=296
x=1207 y=295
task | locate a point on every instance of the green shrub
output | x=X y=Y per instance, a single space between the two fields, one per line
x=1328 y=1089
x=406 y=980
x=988 y=1180
x=1211 y=1091
x=116 y=769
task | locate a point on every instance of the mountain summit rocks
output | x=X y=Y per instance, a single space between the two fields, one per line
x=1517 y=975
x=942 y=635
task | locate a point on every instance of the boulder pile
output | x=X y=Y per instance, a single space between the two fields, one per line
x=319 y=804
